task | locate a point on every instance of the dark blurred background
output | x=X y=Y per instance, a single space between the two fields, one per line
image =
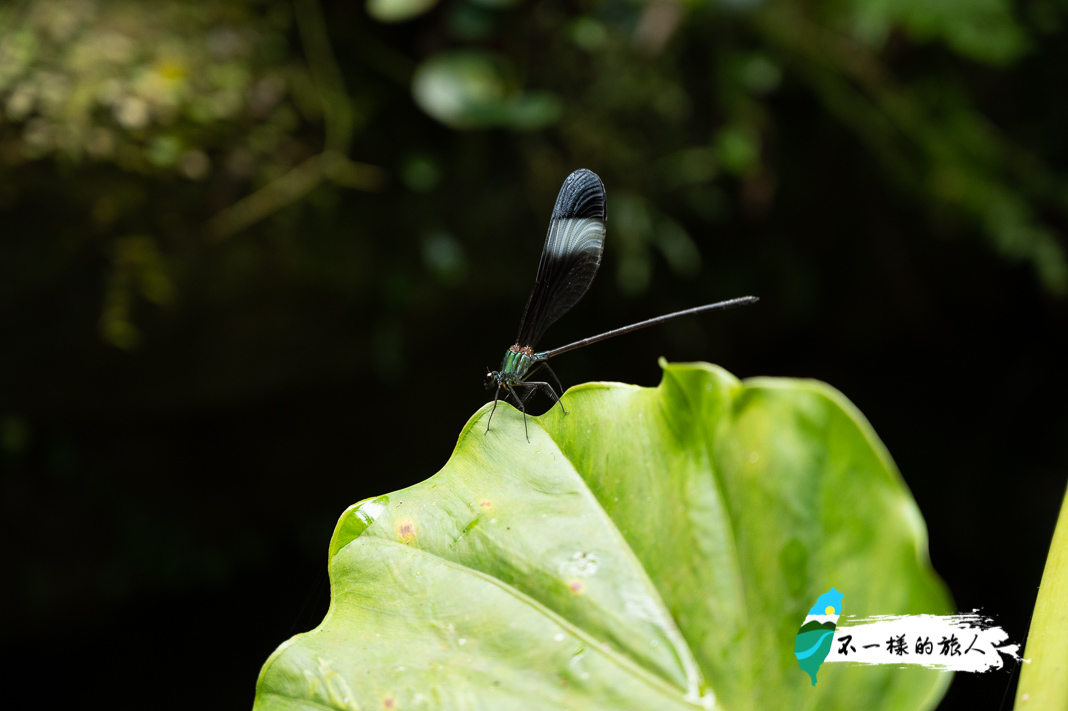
x=255 y=258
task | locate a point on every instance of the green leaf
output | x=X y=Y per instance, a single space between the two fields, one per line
x=738 y=148
x=470 y=89
x=655 y=548
x=981 y=29
x=398 y=10
x=1043 y=683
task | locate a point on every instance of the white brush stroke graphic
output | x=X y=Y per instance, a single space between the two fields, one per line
x=966 y=642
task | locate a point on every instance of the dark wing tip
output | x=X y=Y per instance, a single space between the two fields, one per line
x=581 y=196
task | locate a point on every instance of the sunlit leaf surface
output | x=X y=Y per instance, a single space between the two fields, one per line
x=468 y=89
x=398 y=10
x=656 y=548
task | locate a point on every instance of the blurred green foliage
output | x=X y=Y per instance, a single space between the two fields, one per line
x=226 y=113
x=206 y=93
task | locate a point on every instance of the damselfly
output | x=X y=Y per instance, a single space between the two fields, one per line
x=569 y=262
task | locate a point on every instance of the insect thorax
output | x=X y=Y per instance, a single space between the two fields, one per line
x=517 y=362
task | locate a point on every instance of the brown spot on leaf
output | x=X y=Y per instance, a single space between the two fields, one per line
x=406 y=530
x=576 y=586
x=486 y=504
x=389 y=702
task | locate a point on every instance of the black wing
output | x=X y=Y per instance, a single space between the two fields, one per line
x=571 y=254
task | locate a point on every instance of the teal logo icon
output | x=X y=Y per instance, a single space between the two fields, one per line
x=816 y=636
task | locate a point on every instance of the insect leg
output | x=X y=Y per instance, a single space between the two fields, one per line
x=547 y=386
x=531 y=389
x=549 y=389
x=558 y=385
x=496 y=396
x=522 y=408
x=535 y=369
